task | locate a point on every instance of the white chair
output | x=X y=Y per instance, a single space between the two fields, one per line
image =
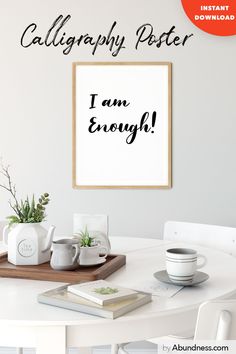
x=216 y=320
x=218 y=237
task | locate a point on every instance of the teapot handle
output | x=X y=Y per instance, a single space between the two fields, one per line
x=49 y=238
x=5 y=234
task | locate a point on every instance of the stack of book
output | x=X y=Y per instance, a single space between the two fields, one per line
x=100 y=298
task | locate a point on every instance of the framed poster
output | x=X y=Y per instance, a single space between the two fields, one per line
x=121 y=125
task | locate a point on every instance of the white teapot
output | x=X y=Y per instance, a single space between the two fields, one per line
x=28 y=243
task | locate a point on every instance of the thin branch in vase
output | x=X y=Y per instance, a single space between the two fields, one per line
x=11 y=188
x=27 y=211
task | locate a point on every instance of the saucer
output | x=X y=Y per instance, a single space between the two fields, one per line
x=198 y=278
x=100 y=261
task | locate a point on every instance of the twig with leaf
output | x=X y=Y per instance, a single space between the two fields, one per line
x=25 y=211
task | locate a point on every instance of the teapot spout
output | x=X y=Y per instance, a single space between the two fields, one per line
x=49 y=238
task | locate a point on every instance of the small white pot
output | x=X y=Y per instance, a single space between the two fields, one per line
x=91 y=255
x=28 y=243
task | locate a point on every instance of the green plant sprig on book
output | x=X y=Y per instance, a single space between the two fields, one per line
x=86 y=240
x=25 y=211
x=106 y=291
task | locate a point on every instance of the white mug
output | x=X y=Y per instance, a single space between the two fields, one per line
x=65 y=254
x=181 y=264
x=91 y=255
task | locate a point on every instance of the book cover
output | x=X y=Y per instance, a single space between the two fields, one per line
x=102 y=292
x=61 y=297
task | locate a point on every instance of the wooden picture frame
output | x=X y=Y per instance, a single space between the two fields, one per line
x=98 y=89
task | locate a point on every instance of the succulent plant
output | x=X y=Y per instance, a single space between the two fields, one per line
x=85 y=239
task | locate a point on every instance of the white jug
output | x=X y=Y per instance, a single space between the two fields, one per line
x=65 y=254
x=28 y=243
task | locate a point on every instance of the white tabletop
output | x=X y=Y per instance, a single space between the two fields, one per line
x=18 y=297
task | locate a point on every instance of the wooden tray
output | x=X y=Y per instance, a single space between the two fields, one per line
x=45 y=272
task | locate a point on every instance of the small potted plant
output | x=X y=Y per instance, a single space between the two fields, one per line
x=27 y=240
x=90 y=249
x=86 y=240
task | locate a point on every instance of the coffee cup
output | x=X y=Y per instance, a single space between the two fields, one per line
x=92 y=255
x=182 y=263
x=65 y=254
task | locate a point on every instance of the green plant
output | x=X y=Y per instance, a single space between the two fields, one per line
x=85 y=239
x=106 y=291
x=26 y=211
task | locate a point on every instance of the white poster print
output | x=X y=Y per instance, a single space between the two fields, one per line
x=122 y=125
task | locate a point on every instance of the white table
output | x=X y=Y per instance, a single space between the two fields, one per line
x=25 y=323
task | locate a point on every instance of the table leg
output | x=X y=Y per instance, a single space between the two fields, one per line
x=51 y=340
x=114 y=349
x=19 y=350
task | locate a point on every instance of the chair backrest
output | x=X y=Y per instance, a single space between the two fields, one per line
x=217 y=237
x=216 y=320
x=2 y=224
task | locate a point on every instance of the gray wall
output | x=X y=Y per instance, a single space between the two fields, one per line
x=35 y=115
